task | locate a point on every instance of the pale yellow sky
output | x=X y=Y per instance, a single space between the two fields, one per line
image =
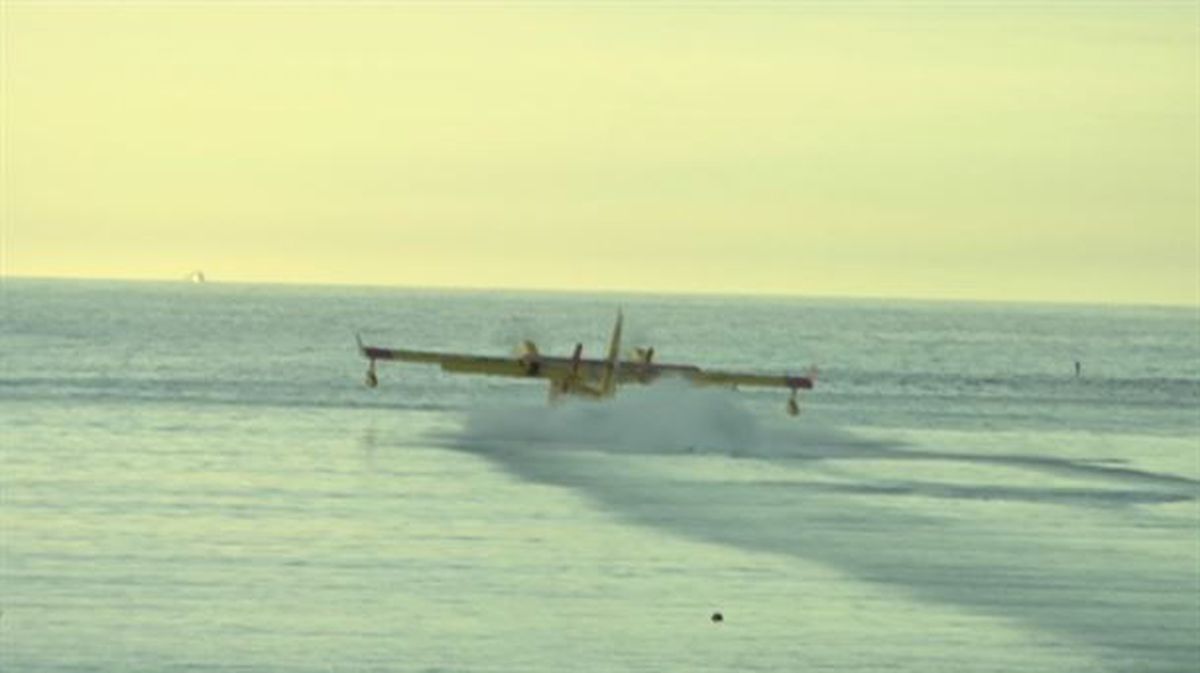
x=1027 y=151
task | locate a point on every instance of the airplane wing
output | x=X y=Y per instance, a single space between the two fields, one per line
x=559 y=368
x=474 y=364
x=639 y=372
x=721 y=378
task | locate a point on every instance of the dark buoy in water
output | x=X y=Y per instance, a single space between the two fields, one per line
x=717 y=618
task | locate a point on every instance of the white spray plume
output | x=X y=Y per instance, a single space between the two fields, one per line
x=671 y=417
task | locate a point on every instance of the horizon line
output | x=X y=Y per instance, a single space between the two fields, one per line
x=184 y=280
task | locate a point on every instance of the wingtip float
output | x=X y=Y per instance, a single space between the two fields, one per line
x=586 y=377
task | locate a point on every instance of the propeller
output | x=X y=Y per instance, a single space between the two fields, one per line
x=643 y=355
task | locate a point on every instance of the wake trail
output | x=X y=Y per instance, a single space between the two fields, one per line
x=950 y=526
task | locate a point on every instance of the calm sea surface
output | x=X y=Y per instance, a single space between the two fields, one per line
x=194 y=478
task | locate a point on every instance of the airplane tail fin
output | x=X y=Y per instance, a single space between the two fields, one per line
x=609 y=384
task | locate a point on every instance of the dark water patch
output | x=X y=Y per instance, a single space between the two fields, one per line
x=1056 y=571
x=1052 y=464
x=1086 y=497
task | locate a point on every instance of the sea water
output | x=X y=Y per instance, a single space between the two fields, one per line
x=194 y=478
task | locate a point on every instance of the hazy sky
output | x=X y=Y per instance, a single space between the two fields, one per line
x=1044 y=151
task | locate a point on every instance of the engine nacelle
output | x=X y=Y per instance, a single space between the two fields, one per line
x=530 y=360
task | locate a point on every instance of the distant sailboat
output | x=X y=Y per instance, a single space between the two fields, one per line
x=196 y=276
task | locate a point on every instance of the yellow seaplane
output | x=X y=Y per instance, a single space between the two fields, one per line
x=587 y=377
